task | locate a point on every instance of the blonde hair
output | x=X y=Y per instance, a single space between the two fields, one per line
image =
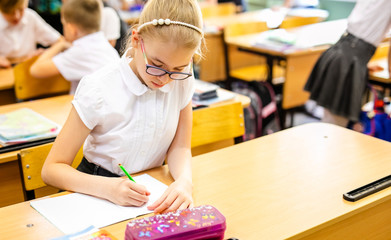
x=86 y=14
x=184 y=11
x=7 y=6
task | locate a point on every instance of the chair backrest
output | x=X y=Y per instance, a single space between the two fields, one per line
x=217 y=123
x=27 y=87
x=31 y=161
x=218 y=10
x=299 y=21
x=235 y=58
x=242 y=28
x=381 y=51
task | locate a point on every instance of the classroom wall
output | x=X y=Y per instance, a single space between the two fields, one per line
x=337 y=8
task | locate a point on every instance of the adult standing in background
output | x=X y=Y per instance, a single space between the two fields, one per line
x=339 y=78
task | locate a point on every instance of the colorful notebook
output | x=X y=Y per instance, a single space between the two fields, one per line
x=24 y=125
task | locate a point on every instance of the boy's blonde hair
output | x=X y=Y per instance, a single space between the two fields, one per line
x=7 y=6
x=186 y=11
x=85 y=14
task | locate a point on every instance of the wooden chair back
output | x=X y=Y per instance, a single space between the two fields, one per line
x=217 y=123
x=243 y=65
x=242 y=28
x=381 y=51
x=218 y=10
x=31 y=161
x=299 y=21
x=27 y=87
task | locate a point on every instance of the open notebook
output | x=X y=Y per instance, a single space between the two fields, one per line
x=74 y=212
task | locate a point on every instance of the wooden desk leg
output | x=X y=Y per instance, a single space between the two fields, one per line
x=11 y=186
x=7 y=96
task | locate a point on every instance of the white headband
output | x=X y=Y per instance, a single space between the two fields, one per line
x=167 y=21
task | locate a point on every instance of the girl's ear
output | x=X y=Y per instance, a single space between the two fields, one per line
x=135 y=38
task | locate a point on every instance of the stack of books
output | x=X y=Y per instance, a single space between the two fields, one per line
x=207 y=93
x=204 y=90
x=25 y=125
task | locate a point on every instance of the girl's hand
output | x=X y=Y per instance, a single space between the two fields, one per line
x=177 y=196
x=4 y=63
x=375 y=68
x=127 y=193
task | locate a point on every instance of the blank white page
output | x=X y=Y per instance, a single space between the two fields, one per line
x=74 y=212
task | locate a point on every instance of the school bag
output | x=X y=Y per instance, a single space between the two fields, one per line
x=375 y=116
x=261 y=117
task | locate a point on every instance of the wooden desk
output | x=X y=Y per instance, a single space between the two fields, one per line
x=287 y=185
x=7 y=94
x=299 y=61
x=212 y=67
x=57 y=109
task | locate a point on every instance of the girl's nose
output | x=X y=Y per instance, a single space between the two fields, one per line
x=163 y=79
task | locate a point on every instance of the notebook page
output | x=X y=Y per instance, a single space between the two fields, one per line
x=74 y=212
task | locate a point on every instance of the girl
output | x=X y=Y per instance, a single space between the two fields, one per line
x=339 y=77
x=136 y=112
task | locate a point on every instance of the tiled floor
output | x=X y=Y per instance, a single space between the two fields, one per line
x=310 y=113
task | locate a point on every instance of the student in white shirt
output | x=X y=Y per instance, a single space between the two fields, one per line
x=86 y=49
x=136 y=112
x=339 y=77
x=111 y=25
x=20 y=30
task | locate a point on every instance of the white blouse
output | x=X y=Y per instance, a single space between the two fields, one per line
x=370 y=20
x=131 y=124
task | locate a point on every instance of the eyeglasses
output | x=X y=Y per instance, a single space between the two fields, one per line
x=157 y=71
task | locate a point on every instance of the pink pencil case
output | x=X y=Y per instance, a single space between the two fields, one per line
x=203 y=222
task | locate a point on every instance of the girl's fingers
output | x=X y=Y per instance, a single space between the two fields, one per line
x=157 y=202
x=141 y=189
x=138 y=197
x=134 y=202
x=165 y=204
x=174 y=206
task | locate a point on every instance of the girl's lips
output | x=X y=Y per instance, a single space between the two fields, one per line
x=157 y=85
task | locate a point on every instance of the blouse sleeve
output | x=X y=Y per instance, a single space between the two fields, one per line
x=88 y=102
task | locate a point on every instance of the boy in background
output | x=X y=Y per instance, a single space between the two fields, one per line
x=85 y=50
x=21 y=29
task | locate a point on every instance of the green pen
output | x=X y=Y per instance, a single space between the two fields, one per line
x=126 y=173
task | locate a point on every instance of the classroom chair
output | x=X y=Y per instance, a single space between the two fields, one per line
x=218 y=10
x=237 y=68
x=381 y=85
x=30 y=162
x=27 y=87
x=216 y=127
x=292 y=22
